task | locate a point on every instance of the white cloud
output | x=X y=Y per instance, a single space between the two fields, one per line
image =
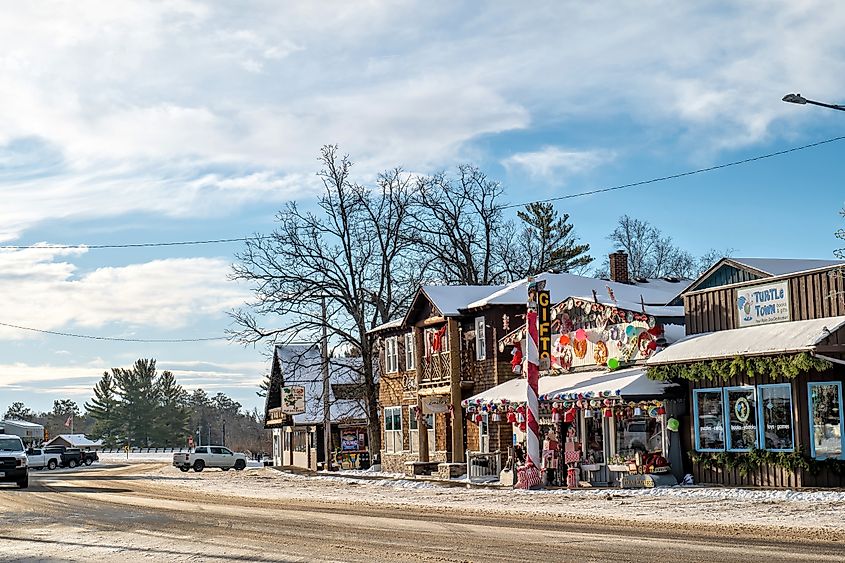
x=554 y=163
x=39 y=290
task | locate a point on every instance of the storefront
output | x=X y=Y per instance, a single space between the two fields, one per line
x=606 y=425
x=766 y=381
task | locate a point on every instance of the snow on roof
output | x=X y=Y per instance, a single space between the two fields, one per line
x=20 y=423
x=783 y=266
x=450 y=299
x=302 y=366
x=395 y=323
x=76 y=440
x=777 y=338
x=563 y=286
x=631 y=382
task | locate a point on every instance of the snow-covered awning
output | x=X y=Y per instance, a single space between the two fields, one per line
x=763 y=340
x=630 y=382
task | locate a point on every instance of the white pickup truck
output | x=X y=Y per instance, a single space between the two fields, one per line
x=39 y=458
x=209 y=456
x=14 y=466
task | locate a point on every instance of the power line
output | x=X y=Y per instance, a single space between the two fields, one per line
x=679 y=175
x=115 y=339
x=136 y=245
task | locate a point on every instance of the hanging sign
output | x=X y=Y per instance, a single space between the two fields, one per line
x=293 y=400
x=434 y=404
x=763 y=304
x=544 y=329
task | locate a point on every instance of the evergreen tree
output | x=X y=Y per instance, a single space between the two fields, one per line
x=172 y=420
x=103 y=408
x=19 y=411
x=139 y=401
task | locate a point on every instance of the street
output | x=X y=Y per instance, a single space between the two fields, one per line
x=113 y=510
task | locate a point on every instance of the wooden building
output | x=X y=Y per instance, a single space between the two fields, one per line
x=764 y=361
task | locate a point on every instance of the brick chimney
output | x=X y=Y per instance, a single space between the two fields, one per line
x=619 y=267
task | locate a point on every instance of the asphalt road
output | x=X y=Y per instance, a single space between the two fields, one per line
x=115 y=514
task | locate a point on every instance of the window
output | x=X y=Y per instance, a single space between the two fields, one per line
x=775 y=414
x=709 y=420
x=638 y=434
x=413 y=427
x=825 y=419
x=391 y=354
x=393 y=429
x=201 y=450
x=410 y=352
x=480 y=339
x=741 y=403
x=217 y=451
x=484 y=434
x=300 y=440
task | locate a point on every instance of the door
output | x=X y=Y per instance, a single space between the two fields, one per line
x=216 y=459
x=36 y=458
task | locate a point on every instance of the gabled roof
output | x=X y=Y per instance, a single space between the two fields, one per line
x=763 y=340
x=447 y=300
x=76 y=441
x=563 y=286
x=395 y=323
x=301 y=365
x=729 y=271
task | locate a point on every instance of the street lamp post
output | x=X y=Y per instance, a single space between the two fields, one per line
x=801 y=100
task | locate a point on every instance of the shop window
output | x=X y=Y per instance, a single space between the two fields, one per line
x=300 y=440
x=391 y=354
x=480 y=339
x=594 y=438
x=709 y=417
x=826 y=419
x=775 y=415
x=410 y=352
x=393 y=429
x=413 y=427
x=741 y=404
x=637 y=434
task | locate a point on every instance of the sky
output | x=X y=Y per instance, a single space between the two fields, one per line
x=135 y=122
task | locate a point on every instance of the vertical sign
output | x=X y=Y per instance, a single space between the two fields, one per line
x=544 y=329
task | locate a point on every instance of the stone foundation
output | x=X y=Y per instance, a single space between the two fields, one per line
x=395 y=463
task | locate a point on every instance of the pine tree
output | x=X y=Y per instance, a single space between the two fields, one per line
x=545 y=243
x=103 y=409
x=139 y=401
x=172 y=419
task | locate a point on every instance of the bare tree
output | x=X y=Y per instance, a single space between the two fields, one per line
x=352 y=251
x=457 y=226
x=543 y=242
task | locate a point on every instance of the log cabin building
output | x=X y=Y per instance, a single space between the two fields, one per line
x=764 y=361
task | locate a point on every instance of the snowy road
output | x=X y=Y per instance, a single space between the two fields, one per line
x=155 y=513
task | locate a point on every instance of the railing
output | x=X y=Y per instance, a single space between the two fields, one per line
x=437 y=368
x=480 y=465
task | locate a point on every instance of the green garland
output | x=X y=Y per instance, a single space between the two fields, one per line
x=746 y=462
x=786 y=366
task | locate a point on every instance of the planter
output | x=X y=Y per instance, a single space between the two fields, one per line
x=590 y=466
x=621 y=467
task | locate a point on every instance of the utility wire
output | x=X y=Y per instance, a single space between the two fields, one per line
x=136 y=245
x=679 y=175
x=115 y=339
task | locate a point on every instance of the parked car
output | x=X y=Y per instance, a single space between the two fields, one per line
x=73 y=457
x=14 y=465
x=39 y=458
x=209 y=456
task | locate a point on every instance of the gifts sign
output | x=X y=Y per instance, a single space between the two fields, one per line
x=293 y=400
x=544 y=329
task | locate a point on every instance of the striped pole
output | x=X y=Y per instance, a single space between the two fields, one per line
x=532 y=418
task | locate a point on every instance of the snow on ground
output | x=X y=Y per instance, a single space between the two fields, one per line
x=160 y=457
x=820 y=513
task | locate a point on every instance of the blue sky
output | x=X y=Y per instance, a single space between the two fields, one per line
x=145 y=121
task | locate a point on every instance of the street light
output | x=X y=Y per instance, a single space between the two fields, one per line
x=799 y=99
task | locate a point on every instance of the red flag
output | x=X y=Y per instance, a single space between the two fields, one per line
x=69 y=421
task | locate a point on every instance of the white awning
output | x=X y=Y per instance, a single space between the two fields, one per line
x=631 y=382
x=779 y=338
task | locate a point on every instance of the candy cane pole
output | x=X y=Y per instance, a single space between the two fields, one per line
x=532 y=434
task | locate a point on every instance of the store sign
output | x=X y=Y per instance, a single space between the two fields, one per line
x=434 y=404
x=293 y=400
x=763 y=304
x=544 y=329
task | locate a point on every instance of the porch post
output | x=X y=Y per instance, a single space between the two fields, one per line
x=422 y=429
x=455 y=378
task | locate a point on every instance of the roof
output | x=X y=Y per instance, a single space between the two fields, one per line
x=21 y=423
x=631 y=382
x=301 y=365
x=762 y=340
x=395 y=323
x=784 y=266
x=450 y=299
x=76 y=440
x=563 y=286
